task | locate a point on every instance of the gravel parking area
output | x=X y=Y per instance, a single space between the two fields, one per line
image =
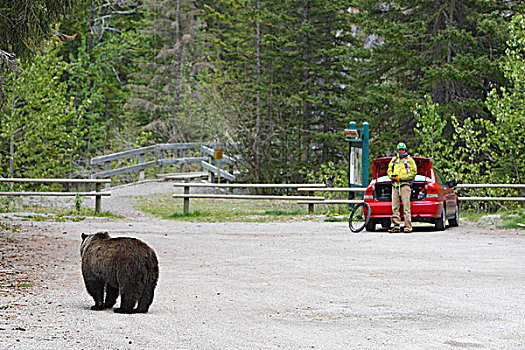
x=297 y=285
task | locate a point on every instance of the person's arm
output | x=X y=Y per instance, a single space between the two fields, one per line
x=389 y=170
x=413 y=170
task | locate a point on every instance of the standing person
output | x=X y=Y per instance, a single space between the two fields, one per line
x=402 y=170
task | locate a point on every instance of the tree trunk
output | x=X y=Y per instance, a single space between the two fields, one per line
x=91 y=38
x=178 y=77
x=258 y=95
x=307 y=110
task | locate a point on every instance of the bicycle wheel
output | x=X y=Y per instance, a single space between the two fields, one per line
x=359 y=217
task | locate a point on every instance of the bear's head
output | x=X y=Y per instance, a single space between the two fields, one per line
x=88 y=239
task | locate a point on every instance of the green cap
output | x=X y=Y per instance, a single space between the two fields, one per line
x=401 y=145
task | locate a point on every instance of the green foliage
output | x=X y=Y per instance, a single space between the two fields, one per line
x=429 y=128
x=280 y=80
x=410 y=48
x=78 y=203
x=41 y=130
x=95 y=81
x=485 y=150
x=168 y=98
x=506 y=131
x=466 y=156
x=24 y=24
x=330 y=174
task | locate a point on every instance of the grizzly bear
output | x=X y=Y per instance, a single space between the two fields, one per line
x=119 y=266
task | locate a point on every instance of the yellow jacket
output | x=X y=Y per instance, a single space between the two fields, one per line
x=405 y=168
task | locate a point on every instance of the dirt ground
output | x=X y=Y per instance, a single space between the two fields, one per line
x=296 y=285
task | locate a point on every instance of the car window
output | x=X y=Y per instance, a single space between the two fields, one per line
x=439 y=178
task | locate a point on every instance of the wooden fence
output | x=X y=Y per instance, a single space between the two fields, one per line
x=460 y=198
x=187 y=195
x=491 y=199
x=97 y=193
x=158 y=154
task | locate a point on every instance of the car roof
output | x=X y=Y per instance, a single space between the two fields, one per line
x=380 y=166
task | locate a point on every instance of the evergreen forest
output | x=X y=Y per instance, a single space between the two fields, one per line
x=279 y=80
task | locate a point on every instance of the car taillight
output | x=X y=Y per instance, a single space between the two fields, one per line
x=369 y=193
x=431 y=193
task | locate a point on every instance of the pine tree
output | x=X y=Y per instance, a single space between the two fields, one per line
x=450 y=49
x=23 y=26
x=283 y=69
x=159 y=91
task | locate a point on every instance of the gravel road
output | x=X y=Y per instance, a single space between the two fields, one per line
x=296 y=285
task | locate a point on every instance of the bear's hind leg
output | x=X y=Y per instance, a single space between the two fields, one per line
x=111 y=296
x=145 y=299
x=128 y=299
x=95 y=288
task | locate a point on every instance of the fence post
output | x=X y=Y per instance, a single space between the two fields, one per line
x=160 y=156
x=310 y=205
x=186 y=199
x=107 y=167
x=98 y=199
x=141 y=172
x=181 y=155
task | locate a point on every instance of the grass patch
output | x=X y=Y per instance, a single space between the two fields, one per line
x=73 y=211
x=337 y=213
x=226 y=210
x=8 y=227
x=283 y=212
x=513 y=218
x=335 y=218
x=38 y=213
x=508 y=219
x=223 y=210
x=193 y=214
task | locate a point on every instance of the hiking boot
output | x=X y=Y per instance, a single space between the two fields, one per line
x=395 y=229
x=407 y=230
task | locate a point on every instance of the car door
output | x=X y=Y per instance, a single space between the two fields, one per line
x=448 y=195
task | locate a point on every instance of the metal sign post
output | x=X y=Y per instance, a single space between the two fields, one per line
x=359 y=154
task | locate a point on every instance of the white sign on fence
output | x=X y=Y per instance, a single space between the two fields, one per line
x=356 y=162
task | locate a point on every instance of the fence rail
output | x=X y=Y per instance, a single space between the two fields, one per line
x=490 y=186
x=146 y=150
x=311 y=188
x=98 y=194
x=489 y=199
x=186 y=195
x=145 y=154
x=462 y=198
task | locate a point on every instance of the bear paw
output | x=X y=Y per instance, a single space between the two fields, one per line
x=123 y=311
x=140 y=311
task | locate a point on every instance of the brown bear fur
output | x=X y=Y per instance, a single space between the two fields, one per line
x=119 y=266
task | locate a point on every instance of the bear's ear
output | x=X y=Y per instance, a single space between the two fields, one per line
x=83 y=236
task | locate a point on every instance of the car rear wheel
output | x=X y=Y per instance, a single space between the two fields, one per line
x=455 y=222
x=441 y=221
x=385 y=223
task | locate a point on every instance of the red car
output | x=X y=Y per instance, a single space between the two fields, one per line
x=433 y=199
